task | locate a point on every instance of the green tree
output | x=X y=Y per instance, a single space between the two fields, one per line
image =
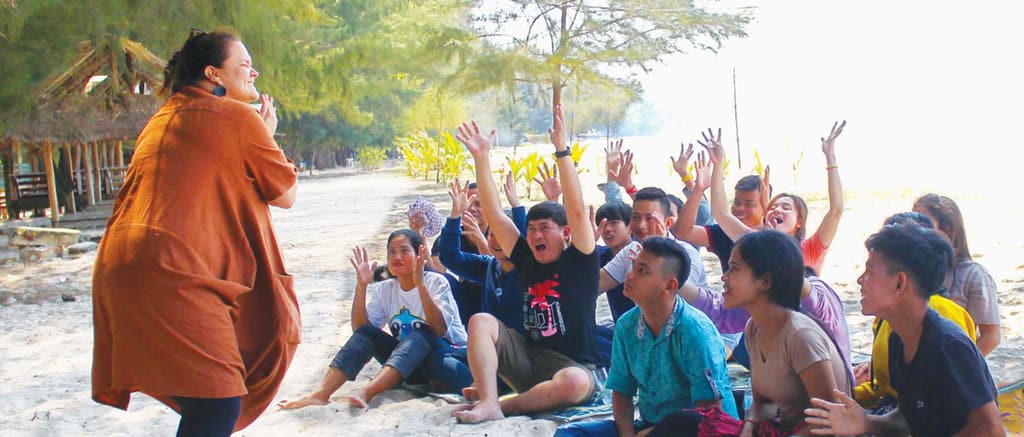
x=556 y=43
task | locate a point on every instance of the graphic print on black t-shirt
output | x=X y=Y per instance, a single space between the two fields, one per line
x=543 y=310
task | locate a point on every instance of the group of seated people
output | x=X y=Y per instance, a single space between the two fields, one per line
x=503 y=309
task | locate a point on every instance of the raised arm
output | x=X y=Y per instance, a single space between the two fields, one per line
x=364 y=274
x=685 y=227
x=431 y=310
x=623 y=175
x=829 y=224
x=548 y=181
x=572 y=195
x=510 y=191
x=479 y=147
x=731 y=225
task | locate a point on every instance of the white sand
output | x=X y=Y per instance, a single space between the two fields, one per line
x=45 y=344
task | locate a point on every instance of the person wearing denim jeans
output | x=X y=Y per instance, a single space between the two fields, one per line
x=415 y=307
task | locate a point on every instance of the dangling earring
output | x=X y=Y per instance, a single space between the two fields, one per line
x=220 y=91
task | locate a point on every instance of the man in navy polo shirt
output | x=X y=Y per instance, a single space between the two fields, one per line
x=943 y=383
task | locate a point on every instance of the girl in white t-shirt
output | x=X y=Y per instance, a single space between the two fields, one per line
x=792 y=358
x=400 y=321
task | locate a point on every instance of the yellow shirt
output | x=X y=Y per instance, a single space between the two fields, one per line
x=868 y=393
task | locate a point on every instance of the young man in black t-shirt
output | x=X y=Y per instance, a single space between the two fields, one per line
x=551 y=366
x=942 y=380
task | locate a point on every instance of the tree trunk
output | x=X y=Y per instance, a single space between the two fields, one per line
x=51 y=183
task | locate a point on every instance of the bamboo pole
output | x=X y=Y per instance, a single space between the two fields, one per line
x=51 y=182
x=736 y=118
x=120 y=153
x=17 y=151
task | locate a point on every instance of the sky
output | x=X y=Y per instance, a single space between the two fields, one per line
x=932 y=91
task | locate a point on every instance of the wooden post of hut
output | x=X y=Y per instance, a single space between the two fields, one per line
x=8 y=152
x=17 y=151
x=51 y=182
x=120 y=153
x=104 y=164
x=72 y=207
x=98 y=177
x=90 y=177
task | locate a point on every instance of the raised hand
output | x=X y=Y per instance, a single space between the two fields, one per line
x=828 y=144
x=510 y=191
x=681 y=162
x=593 y=222
x=713 y=144
x=459 y=196
x=624 y=174
x=548 y=181
x=417 y=222
x=471 y=226
x=361 y=263
x=477 y=144
x=703 y=168
x=422 y=258
x=829 y=418
x=557 y=131
x=268 y=113
x=612 y=158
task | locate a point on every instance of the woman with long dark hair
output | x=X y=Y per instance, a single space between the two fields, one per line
x=792 y=358
x=192 y=304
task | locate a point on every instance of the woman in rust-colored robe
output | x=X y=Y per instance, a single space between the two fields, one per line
x=192 y=304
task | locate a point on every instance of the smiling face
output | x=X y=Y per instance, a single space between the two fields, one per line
x=746 y=206
x=547 y=240
x=783 y=216
x=648 y=219
x=878 y=285
x=614 y=233
x=646 y=280
x=741 y=285
x=401 y=257
x=236 y=74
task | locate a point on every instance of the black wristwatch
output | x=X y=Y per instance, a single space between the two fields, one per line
x=563 y=153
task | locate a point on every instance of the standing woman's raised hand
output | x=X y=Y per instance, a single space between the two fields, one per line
x=557 y=131
x=361 y=263
x=828 y=144
x=268 y=113
x=713 y=144
x=476 y=142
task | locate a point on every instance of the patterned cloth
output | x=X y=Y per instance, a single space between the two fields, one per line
x=432 y=219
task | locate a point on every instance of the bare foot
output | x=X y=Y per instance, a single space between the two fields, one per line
x=480 y=412
x=312 y=399
x=358 y=400
x=470 y=394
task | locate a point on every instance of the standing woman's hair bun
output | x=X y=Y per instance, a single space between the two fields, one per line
x=187 y=63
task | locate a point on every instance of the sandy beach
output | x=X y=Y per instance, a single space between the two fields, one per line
x=47 y=343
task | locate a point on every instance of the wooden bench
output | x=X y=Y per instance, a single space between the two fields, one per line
x=30 y=192
x=113 y=179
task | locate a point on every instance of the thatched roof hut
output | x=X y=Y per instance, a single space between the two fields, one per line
x=107 y=94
